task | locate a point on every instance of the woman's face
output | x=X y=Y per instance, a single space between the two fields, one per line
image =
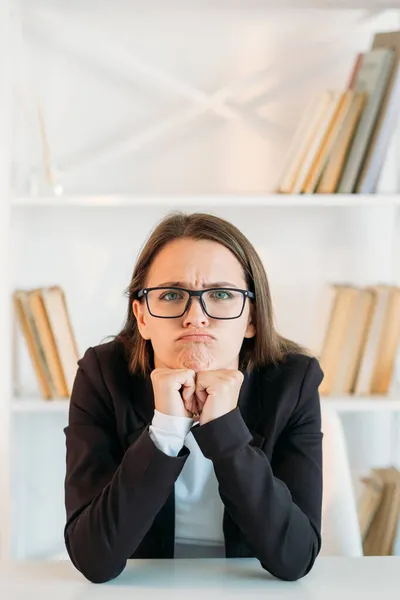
x=195 y=265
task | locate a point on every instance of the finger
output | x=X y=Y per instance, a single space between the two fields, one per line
x=201 y=389
x=193 y=408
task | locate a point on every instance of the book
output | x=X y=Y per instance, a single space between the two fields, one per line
x=55 y=304
x=372 y=77
x=29 y=331
x=43 y=316
x=47 y=340
x=339 y=323
x=386 y=121
x=320 y=133
x=321 y=318
x=368 y=502
x=335 y=125
x=353 y=343
x=355 y=70
x=375 y=371
x=334 y=166
x=388 y=342
x=380 y=536
x=303 y=137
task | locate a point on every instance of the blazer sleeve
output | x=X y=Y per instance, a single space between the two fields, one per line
x=277 y=505
x=111 y=497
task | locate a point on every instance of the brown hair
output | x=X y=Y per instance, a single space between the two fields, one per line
x=267 y=346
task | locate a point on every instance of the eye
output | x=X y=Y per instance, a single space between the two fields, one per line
x=221 y=295
x=169 y=296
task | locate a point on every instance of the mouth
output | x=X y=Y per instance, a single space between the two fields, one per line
x=195 y=337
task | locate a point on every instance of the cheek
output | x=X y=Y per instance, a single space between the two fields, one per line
x=161 y=332
x=235 y=330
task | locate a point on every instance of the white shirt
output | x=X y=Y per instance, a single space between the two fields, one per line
x=198 y=505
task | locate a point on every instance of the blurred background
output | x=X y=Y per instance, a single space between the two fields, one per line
x=115 y=113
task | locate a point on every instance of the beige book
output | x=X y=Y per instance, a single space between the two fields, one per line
x=31 y=336
x=48 y=343
x=334 y=127
x=354 y=72
x=363 y=383
x=299 y=144
x=368 y=502
x=313 y=148
x=386 y=121
x=322 y=316
x=340 y=321
x=393 y=527
x=372 y=77
x=56 y=306
x=355 y=337
x=387 y=345
x=333 y=168
x=380 y=537
x=303 y=137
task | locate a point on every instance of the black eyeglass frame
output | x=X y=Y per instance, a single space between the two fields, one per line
x=197 y=293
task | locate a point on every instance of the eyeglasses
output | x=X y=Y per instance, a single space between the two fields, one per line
x=173 y=302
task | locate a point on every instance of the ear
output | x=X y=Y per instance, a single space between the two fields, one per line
x=250 y=329
x=139 y=312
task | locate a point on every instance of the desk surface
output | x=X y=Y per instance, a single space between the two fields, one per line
x=331 y=578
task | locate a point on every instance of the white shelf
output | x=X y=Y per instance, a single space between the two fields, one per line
x=278 y=4
x=359 y=404
x=32 y=404
x=229 y=200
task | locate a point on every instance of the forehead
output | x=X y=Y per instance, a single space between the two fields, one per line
x=195 y=262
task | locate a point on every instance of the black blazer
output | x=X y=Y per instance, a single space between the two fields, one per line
x=267 y=456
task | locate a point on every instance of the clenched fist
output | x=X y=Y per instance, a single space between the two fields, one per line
x=184 y=393
x=217 y=392
x=174 y=391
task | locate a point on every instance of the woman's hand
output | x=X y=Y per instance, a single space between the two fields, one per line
x=174 y=392
x=217 y=392
x=185 y=393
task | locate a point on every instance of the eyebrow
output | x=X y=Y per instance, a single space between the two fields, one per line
x=184 y=284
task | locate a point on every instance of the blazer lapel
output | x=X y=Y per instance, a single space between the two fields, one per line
x=250 y=404
x=142 y=397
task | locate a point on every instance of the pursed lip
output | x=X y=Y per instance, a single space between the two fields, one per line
x=196 y=336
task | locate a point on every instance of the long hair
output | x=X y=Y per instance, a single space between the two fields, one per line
x=266 y=347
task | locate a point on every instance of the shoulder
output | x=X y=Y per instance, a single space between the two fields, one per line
x=293 y=370
x=102 y=373
x=291 y=386
x=104 y=363
x=104 y=355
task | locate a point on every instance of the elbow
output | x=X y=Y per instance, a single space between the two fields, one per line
x=94 y=568
x=99 y=577
x=287 y=572
x=292 y=564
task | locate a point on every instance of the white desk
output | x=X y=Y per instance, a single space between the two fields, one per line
x=370 y=578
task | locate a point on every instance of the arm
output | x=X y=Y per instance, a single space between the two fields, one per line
x=168 y=432
x=277 y=505
x=111 y=500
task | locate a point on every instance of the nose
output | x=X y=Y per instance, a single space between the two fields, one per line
x=195 y=314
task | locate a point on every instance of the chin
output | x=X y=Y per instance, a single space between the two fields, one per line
x=197 y=358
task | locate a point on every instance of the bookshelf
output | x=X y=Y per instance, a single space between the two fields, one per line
x=273 y=200
x=86 y=238
x=32 y=404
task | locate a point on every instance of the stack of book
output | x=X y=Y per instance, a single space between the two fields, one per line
x=379 y=511
x=343 y=137
x=43 y=317
x=359 y=338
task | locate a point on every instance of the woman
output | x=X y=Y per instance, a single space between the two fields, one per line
x=196 y=432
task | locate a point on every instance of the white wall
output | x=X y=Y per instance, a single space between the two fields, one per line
x=80 y=62
x=104 y=72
